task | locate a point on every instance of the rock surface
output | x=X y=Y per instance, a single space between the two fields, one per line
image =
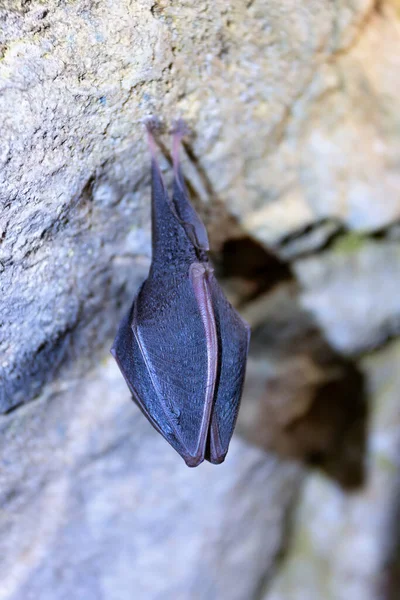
x=293 y=164
x=364 y=278
x=96 y=505
x=294 y=111
x=342 y=544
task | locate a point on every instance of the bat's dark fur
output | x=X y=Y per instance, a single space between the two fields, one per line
x=182 y=348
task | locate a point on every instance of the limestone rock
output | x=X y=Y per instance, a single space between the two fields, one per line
x=353 y=291
x=95 y=504
x=343 y=544
x=295 y=147
x=284 y=135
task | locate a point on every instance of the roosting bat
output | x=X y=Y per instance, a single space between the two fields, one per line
x=182 y=347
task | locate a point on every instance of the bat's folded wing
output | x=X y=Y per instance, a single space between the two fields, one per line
x=164 y=361
x=234 y=338
x=130 y=360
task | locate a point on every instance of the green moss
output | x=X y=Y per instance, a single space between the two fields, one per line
x=302 y=543
x=303 y=564
x=350 y=242
x=384 y=464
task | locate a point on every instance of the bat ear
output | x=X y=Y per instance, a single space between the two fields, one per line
x=189 y=218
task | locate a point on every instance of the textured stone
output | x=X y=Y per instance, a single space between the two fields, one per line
x=96 y=505
x=302 y=399
x=307 y=242
x=353 y=291
x=295 y=140
x=284 y=136
x=342 y=544
x=339 y=147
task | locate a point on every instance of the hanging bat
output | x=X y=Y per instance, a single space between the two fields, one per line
x=182 y=347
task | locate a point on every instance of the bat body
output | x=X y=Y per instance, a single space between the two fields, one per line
x=182 y=347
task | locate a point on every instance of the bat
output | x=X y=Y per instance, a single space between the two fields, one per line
x=182 y=348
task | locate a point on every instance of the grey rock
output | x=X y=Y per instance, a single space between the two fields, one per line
x=294 y=113
x=95 y=504
x=260 y=85
x=302 y=399
x=307 y=242
x=343 y=545
x=353 y=291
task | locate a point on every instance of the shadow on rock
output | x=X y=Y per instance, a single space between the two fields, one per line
x=301 y=399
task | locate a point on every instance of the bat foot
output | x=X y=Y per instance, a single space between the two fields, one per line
x=153 y=124
x=180 y=128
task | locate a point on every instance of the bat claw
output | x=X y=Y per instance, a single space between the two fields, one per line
x=153 y=124
x=180 y=128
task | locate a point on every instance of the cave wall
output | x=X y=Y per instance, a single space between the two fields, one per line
x=294 y=148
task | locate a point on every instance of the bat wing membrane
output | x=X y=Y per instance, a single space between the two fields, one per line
x=234 y=337
x=164 y=363
x=130 y=360
x=174 y=350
